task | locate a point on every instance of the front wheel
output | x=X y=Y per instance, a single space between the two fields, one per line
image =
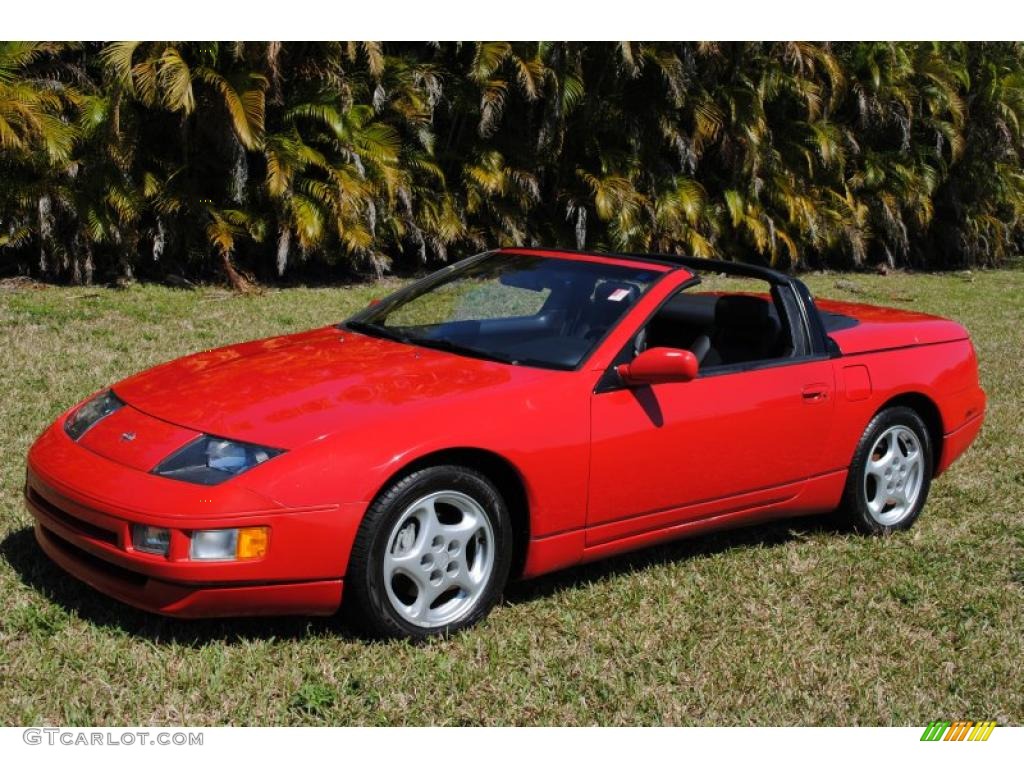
x=432 y=555
x=891 y=473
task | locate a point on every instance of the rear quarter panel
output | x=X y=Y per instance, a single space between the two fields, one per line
x=946 y=373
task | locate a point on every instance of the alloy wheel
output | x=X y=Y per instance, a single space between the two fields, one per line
x=439 y=559
x=894 y=475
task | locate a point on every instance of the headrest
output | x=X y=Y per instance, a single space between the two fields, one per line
x=743 y=311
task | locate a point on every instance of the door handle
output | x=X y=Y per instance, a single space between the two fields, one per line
x=815 y=393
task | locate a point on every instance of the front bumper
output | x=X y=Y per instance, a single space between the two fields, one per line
x=190 y=601
x=84 y=505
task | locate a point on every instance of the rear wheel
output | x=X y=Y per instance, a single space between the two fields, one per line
x=432 y=555
x=891 y=473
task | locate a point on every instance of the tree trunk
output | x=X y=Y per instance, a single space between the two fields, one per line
x=237 y=280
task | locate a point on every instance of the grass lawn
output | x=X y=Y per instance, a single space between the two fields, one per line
x=793 y=623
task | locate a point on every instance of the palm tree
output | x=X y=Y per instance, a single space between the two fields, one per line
x=143 y=158
x=204 y=84
x=979 y=205
x=36 y=141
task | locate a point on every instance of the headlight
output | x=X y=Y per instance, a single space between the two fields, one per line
x=90 y=413
x=211 y=460
x=229 y=544
x=151 y=539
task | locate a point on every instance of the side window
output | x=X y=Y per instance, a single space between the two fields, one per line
x=725 y=321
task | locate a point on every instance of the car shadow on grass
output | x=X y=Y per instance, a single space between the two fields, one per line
x=771 y=534
x=38 y=572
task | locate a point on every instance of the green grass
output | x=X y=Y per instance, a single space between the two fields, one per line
x=792 y=623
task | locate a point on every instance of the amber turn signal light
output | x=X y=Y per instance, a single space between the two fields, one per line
x=252 y=542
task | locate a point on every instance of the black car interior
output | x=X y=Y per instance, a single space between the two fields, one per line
x=720 y=330
x=584 y=320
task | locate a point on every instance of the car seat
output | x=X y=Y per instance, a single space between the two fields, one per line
x=745 y=329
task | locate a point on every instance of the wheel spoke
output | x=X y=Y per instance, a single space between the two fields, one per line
x=424 y=599
x=898 y=497
x=916 y=473
x=392 y=567
x=457 y=566
x=891 y=446
x=464 y=533
x=877 y=504
x=398 y=558
x=877 y=470
x=885 y=446
x=431 y=524
x=466 y=578
x=465 y=583
x=912 y=485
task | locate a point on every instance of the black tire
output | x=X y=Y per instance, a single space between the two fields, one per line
x=853 y=510
x=366 y=601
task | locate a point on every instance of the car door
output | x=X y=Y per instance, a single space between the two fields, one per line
x=669 y=453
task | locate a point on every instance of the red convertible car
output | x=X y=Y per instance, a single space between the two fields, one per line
x=521 y=411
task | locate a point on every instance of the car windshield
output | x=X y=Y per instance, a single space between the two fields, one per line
x=542 y=311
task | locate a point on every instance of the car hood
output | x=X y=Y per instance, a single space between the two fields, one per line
x=285 y=391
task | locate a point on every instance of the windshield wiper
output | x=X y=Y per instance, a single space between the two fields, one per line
x=383 y=332
x=459 y=349
x=379 y=331
x=445 y=345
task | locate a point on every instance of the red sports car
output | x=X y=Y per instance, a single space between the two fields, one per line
x=521 y=411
